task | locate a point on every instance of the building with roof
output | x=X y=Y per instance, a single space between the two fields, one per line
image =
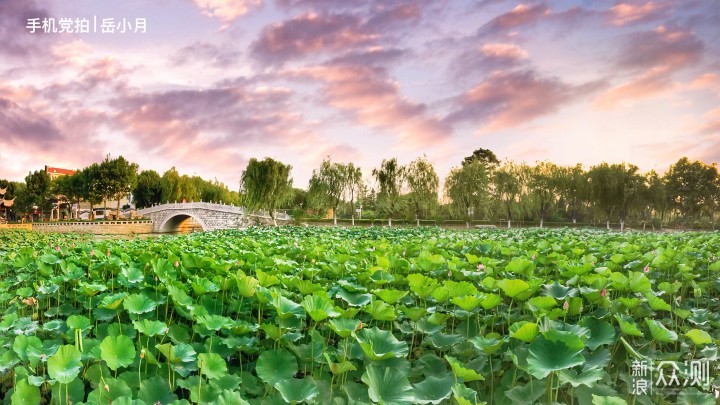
x=56 y=172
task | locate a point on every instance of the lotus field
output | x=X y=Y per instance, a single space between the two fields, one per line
x=354 y=316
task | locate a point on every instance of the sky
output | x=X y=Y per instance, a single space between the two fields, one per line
x=209 y=84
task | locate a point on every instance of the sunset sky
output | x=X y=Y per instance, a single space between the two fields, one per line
x=215 y=82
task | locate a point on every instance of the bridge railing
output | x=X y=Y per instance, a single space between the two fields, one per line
x=192 y=205
x=280 y=215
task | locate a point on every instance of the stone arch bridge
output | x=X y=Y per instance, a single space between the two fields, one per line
x=196 y=216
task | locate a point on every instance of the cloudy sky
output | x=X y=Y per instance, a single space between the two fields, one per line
x=213 y=83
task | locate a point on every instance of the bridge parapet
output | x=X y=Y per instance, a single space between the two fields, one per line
x=209 y=216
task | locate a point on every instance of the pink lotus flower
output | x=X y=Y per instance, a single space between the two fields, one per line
x=57 y=247
x=566 y=306
x=176 y=264
x=533 y=257
x=480 y=267
x=603 y=292
x=647 y=268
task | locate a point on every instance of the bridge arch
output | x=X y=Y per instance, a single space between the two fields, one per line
x=182 y=221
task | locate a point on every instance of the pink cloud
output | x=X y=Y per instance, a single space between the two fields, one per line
x=503 y=51
x=664 y=46
x=227 y=11
x=521 y=15
x=626 y=13
x=508 y=99
x=650 y=83
x=373 y=99
x=310 y=33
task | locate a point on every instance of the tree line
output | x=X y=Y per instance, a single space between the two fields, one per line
x=480 y=188
x=484 y=188
x=111 y=180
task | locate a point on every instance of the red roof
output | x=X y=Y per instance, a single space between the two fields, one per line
x=57 y=170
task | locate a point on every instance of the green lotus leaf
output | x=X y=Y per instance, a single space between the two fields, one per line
x=380 y=344
x=558 y=291
x=274 y=366
x=150 y=328
x=488 y=344
x=109 y=390
x=467 y=302
x=554 y=351
x=433 y=390
x=295 y=390
x=699 y=337
x=381 y=311
x=212 y=365
x=520 y=265
x=587 y=378
x=286 y=308
x=215 y=322
x=390 y=296
x=319 y=308
x=28 y=348
x=387 y=386
x=112 y=301
x=542 y=302
x=659 y=332
x=344 y=327
x=460 y=371
x=607 y=400
x=413 y=313
x=137 y=304
x=117 y=351
x=525 y=331
x=490 y=301
x=601 y=332
x=355 y=299
x=155 y=390
x=464 y=395
x=65 y=364
x=512 y=288
x=526 y=394
x=25 y=394
x=421 y=285
x=693 y=396
x=79 y=322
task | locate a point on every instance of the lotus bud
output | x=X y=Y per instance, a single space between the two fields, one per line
x=107 y=388
x=176 y=264
x=566 y=306
x=533 y=257
x=57 y=247
x=647 y=268
x=603 y=292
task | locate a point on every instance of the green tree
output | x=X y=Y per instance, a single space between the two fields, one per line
x=354 y=187
x=170 y=186
x=423 y=185
x=266 y=184
x=91 y=186
x=120 y=177
x=327 y=185
x=467 y=187
x=484 y=156
x=39 y=189
x=543 y=184
x=691 y=186
x=508 y=182
x=390 y=177
x=148 y=189
x=572 y=187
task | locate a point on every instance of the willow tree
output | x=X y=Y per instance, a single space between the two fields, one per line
x=390 y=177
x=354 y=187
x=543 y=184
x=327 y=185
x=266 y=184
x=467 y=187
x=508 y=183
x=423 y=183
